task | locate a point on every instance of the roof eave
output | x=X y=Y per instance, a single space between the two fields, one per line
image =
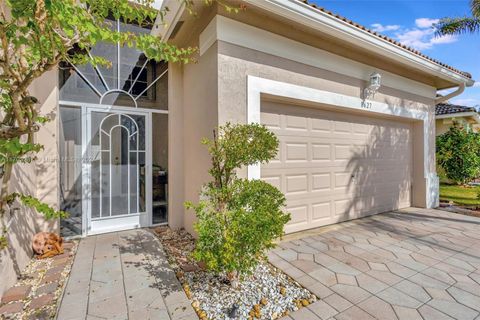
x=165 y=25
x=307 y=15
x=472 y=114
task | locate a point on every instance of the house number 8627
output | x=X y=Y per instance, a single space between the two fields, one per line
x=366 y=105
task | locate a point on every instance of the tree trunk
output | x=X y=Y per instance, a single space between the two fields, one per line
x=7 y=172
x=233 y=278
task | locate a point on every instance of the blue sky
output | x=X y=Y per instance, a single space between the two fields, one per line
x=409 y=21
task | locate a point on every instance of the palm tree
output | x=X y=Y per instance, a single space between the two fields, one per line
x=455 y=26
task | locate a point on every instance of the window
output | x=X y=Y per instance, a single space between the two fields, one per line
x=132 y=80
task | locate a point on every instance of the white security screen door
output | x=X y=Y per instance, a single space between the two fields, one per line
x=117 y=187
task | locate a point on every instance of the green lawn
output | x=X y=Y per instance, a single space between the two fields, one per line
x=459 y=195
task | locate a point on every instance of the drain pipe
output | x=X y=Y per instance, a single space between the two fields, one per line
x=455 y=93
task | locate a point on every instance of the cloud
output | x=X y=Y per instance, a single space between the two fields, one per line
x=469 y=102
x=425 y=22
x=476 y=84
x=423 y=36
x=448 y=38
x=378 y=27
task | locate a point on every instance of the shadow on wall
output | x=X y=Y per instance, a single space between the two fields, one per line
x=22 y=224
x=382 y=169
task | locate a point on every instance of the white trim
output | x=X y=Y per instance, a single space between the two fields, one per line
x=257 y=86
x=117 y=91
x=85 y=171
x=124 y=222
x=472 y=114
x=121 y=222
x=307 y=15
x=209 y=35
x=237 y=33
x=108 y=107
x=164 y=27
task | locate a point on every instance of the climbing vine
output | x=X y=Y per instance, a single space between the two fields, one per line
x=35 y=36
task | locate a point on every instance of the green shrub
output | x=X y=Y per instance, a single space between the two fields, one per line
x=458 y=154
x=238 y=219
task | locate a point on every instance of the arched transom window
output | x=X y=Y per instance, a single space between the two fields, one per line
x=132 y=80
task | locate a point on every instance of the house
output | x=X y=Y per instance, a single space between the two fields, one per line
x=447 y=113
x=353 y=110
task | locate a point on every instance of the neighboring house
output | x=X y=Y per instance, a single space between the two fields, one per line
x=123 y=149
x=447 y=113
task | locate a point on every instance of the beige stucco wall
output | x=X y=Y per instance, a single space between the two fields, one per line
x=236 y=63
x=442 y=125
x=200 y=118
x=39 y=179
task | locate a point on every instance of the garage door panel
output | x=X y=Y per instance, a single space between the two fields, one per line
x=271 y=121
x=275 y=181
x=321 y=211
x=342 y=128
x=298 y=213
x=342 y=180
x=296 y=184
x=321 y=126
x=296 y=151
x=296 y=123
x=321 y=151
x=321 y=181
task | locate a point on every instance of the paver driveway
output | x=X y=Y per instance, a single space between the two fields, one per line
x=411 y=264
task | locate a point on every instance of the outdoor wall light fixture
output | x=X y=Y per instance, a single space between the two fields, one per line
x=373 y=86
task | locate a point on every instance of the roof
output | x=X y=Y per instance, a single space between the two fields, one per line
x=448 y=108
x=381 y=36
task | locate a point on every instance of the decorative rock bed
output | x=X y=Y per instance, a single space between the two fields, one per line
x=266 y=294
x=37 y=292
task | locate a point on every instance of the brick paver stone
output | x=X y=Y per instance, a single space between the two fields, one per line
x=378 y=308
x=453 y=309
x=304 y=314
x=346 y=279
x=47 y=288
x=51 y=278
x=429 y=313
x=41 y=301
x=322 y=309
x=68 y=245
x=370 y=284
x=354 y=313
x=16 y=293
x=11 y=308
x=61 y=262
x=407 y=313
x=337 y=302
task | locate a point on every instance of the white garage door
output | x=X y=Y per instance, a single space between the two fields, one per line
x=335 y=166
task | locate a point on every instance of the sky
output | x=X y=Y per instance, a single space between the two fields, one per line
x=410 y=22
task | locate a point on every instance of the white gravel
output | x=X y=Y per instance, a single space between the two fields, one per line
x=217 y=298
x=266 y=294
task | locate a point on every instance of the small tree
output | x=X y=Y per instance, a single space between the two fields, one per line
x=458 y=153
x=238 y=219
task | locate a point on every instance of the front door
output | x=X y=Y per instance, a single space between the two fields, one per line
x=117 y=180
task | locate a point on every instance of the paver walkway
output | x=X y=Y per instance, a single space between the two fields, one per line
x=413 y=264
x=123 y=275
